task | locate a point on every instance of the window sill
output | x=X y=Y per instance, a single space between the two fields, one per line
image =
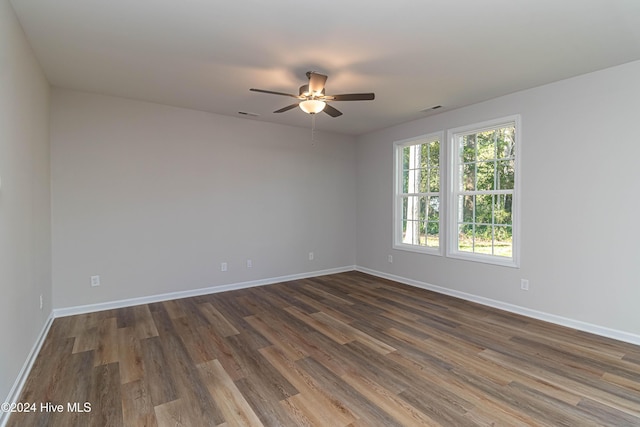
x=418 y=249
x=485 y=259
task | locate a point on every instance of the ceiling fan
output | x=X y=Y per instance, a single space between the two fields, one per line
x=313 y=99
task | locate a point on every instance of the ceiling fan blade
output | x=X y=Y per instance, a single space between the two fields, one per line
x=333 y=112
x=352 y=97
x=316 y=82
x=287 y=108
x=273 y=93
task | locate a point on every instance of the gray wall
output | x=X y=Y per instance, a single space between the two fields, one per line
x=153 y=198
x=25 y=242
x=579 y=202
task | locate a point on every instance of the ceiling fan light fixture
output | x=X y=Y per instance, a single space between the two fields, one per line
x=312 y=106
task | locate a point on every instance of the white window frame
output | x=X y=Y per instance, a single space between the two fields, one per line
x=453 y=183
x=398 y=194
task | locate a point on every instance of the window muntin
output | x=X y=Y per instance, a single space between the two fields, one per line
x=418 y=194
x=483 y=214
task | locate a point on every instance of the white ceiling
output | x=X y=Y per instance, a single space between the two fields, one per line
x=206 y=54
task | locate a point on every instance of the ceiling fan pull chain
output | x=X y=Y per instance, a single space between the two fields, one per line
x=313 y=129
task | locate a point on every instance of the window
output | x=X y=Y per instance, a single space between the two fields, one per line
x=417 y=194
x=483 y=210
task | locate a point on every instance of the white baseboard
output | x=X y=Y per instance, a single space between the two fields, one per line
x=540 y=315
x=14 y=393
x=90 y=308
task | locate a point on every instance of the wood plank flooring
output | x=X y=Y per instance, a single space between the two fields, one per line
x=341 y=350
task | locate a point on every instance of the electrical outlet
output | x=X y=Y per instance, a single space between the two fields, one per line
x=524 y=284
x=311 y=256
x=95 y=281
x=390 y=258
x=41 y=302
x=223 y=266
x=249 y=263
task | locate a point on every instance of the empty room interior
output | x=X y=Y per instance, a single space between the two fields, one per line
x=326 y=214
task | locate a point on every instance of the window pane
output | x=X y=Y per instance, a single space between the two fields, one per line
x=502 y=209
x=468 y=148
x=433 y=234
x=405 y=181
x=483 y=241
x=434 y=208
x=410 y=235
x=411 y=217
x=405 y=203
x=465 y=237
x=503 y=241
x=434 y=154
x=434 y=180
x=506 y=143
x=486 y=176
x=486 y=145
x=506 y=174
x=405 y=157
x=468 y=203
x=423 y=209
x=424 y=156
x=411 y=177
x=411 y=207
x=484 y=205
x=468 y=177
x=423 y=176
x=422 y=240
x=413 y=162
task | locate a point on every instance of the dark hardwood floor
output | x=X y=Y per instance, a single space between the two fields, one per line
x=341 y=350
